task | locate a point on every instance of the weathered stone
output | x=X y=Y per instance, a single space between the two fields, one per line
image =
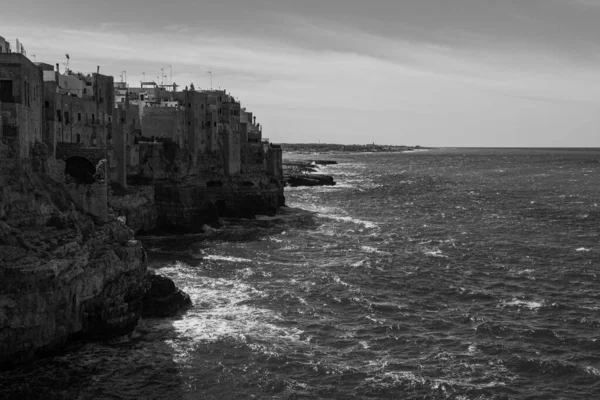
x=63 y=273
x=309 y=180
x=164 y=299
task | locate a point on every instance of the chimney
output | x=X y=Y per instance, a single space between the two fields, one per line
x=57 y=68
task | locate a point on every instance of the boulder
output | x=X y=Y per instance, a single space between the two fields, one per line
x=163 y=299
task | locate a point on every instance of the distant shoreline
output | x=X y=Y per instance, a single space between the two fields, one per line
x=345 y=148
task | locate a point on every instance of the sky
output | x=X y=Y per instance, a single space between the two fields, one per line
x=492 y=73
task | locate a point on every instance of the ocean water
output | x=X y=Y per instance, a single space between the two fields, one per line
x=440 y=274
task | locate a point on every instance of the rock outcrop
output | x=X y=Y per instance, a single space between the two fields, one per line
x=63 y=273
x=164 y=299
x=302 y=173
x=309 y=180
x=137 y=208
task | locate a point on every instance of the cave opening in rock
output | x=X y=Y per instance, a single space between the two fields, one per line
x=81 y=169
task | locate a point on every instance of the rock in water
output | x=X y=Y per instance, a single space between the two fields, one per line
x=309 y=180
x=163 y=299
x=301 y=173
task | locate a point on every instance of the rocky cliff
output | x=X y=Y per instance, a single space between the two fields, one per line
x=170 y=192
x=63 y=273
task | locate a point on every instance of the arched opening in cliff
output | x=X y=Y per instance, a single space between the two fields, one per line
x=81 y=169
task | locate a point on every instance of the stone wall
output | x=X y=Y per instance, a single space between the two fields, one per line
x=162 y=122
x=21 y=110
x=67 y=150
x=231 y=150
x=275 y=161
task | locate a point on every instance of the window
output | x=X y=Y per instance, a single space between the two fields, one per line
x=6 y=91
x=79 y=117
x=93 y=119
x=133 y=121
x=78 y=138
x=59 y=115
x=215 y=125
x=109 y=118
x=66 y=118
x=47 y=104
x=202 y=106
x=190 y=105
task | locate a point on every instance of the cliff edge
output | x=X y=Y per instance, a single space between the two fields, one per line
x=64 y=274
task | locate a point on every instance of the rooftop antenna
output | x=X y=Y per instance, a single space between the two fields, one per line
x=162 y=75
x=210 y=73
x=171 y=73
x=67 y=63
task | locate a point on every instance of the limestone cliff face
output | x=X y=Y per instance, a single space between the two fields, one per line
x=168 y=191
x=187 y=206
x=137 y=208
x=63 y=273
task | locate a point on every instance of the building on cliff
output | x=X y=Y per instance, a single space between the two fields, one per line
x=76 y=152
x=21 y=95
x=100 y=133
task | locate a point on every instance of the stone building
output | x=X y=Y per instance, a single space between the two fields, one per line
x=21 y=95
x=196 y=122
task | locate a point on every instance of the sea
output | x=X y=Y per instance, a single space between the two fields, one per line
x=451 y=273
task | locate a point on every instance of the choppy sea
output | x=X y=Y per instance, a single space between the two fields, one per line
x=439 y=274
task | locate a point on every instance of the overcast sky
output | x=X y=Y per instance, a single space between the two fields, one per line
x=428 y=72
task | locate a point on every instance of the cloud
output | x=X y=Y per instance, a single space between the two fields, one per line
x=427 y=72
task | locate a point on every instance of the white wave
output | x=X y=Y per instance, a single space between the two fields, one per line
x=435 y=253
x=532 y=305
x=366 y=224
x=220 y=312
x=226 y=258
x=582 y=249
x=592 y=371
x=369 y=249
x=358 y=263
